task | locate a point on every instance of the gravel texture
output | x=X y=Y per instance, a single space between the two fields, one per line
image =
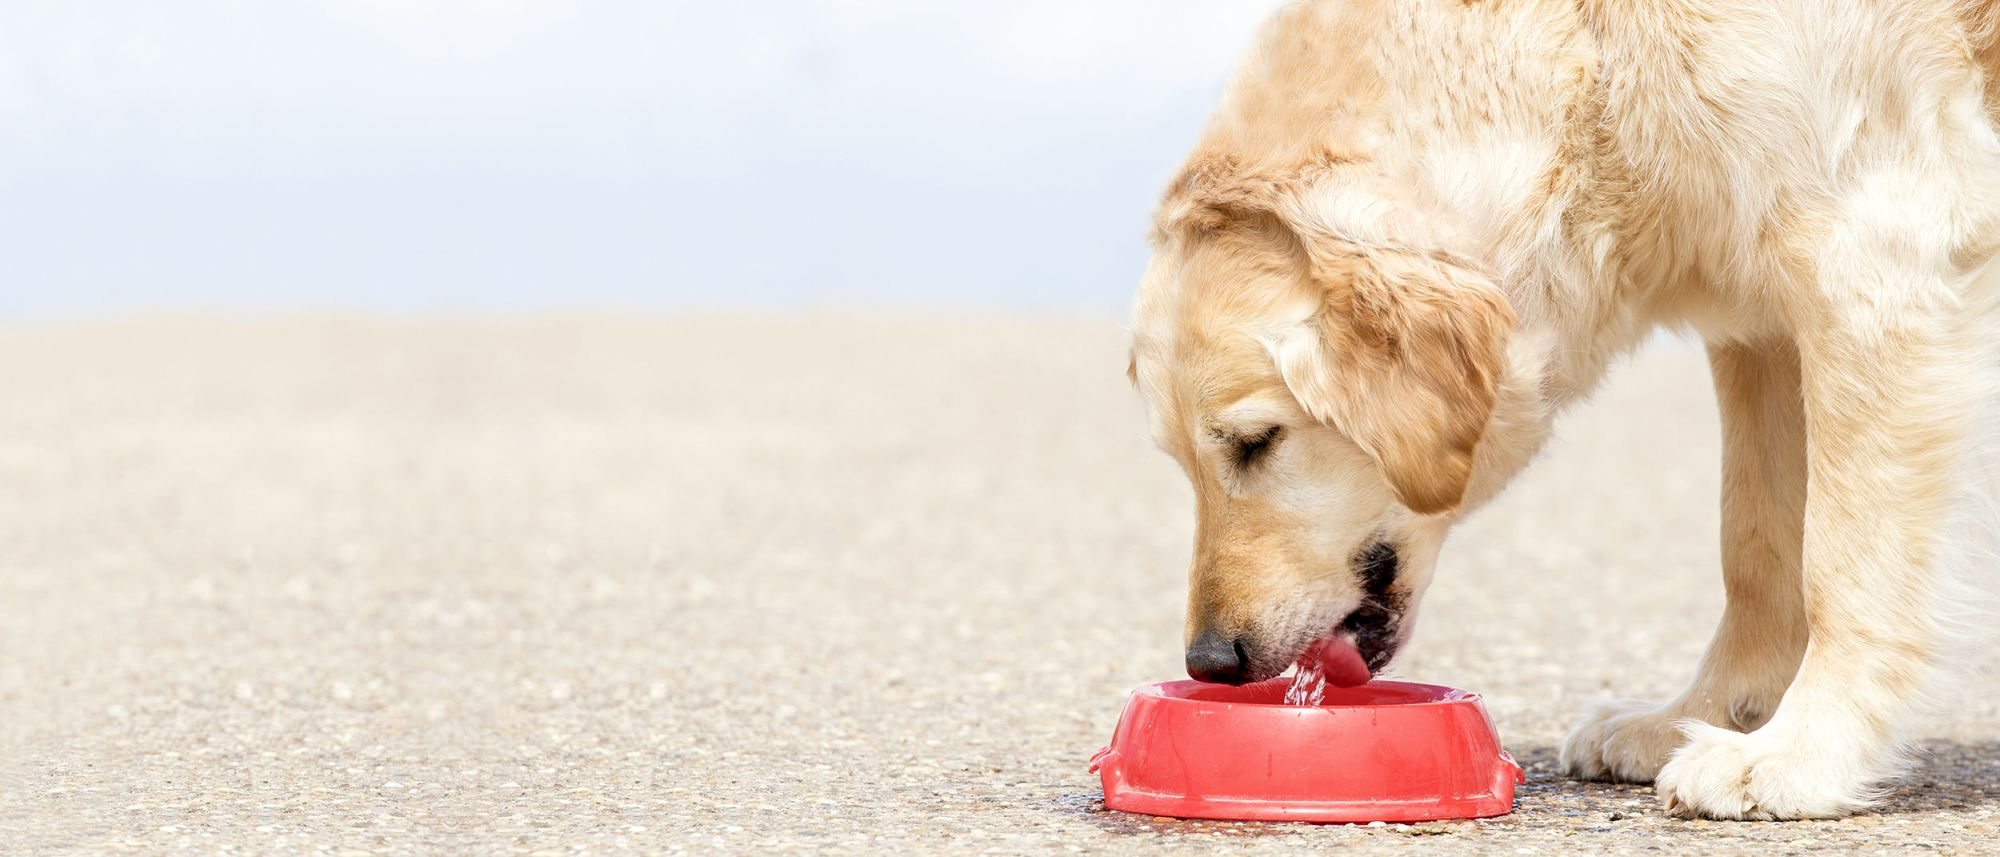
x=737 y=585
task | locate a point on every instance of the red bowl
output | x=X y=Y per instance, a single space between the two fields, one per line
x=1383 y=751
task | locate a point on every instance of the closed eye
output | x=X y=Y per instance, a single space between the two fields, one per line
x=1251 y=449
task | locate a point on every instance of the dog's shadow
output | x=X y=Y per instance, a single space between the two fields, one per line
x=1949 y=777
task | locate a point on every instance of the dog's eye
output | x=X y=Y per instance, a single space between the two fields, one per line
x=1253 y=448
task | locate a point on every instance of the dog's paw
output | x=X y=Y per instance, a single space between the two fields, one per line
x=1622 y=741
x=1760 y=776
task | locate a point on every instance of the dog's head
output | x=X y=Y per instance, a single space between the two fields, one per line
x=1325 y=396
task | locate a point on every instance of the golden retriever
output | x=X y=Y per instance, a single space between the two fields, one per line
x=1417 y=230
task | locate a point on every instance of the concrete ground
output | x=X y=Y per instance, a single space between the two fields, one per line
x=745 y=586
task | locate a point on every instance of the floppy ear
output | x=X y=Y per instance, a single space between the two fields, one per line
x=1403 y=354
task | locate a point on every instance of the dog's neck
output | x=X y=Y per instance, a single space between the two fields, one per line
x=1570 y=329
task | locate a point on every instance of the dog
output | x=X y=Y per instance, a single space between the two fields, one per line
x=1415 y=231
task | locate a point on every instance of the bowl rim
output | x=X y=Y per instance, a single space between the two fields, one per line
x=1439 y=695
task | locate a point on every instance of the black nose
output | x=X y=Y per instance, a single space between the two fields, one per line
x=1215 y=658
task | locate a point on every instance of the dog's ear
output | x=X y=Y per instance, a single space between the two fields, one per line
x=1403 y=349
x=1218 y=193
x=1403 y=354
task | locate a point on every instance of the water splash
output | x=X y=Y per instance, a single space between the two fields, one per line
x=1331 y=661
x=1308 y=684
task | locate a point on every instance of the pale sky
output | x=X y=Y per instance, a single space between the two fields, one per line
x=502 y=155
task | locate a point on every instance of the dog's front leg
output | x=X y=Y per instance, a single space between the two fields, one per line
x=1757 y=646
x=1886 y=388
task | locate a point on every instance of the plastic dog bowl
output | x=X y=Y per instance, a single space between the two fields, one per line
x=1382 y=751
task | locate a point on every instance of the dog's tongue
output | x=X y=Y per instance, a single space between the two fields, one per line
x=1337 y=660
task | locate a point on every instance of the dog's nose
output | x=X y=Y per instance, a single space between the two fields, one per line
x=1215 y=658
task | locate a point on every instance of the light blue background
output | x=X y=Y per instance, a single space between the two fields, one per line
x=484 y=155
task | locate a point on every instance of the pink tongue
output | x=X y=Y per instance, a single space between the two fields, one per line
x=1338 y=660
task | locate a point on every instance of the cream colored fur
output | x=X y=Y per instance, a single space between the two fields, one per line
x=1416 y=231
